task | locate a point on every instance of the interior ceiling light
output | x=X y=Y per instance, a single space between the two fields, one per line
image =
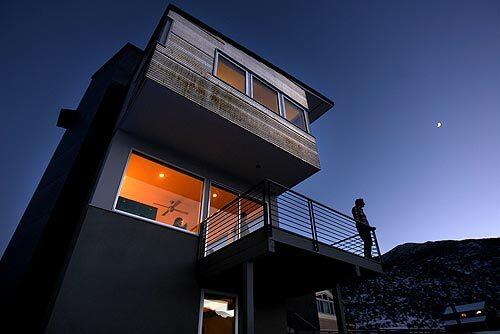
x=162 y=175
x=214 y=195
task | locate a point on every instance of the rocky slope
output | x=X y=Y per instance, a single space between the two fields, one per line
x=421 y=279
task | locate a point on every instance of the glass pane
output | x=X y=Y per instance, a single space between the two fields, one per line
x=152 y=190
x=231 y=74
x=265 y=95
x=218 y=314
x=325 y=306
x=295 y=115
x=220 y=198
x=252 y=216
x=222 y=228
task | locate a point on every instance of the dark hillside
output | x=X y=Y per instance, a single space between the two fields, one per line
x=421 y=279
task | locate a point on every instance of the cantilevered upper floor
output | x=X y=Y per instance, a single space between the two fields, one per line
x=202 y=94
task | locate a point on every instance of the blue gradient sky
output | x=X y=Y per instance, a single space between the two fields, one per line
x=394 y=68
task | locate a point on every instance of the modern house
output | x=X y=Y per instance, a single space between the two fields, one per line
x=167 y=206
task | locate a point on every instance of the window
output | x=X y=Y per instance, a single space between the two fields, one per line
x=231 y=74
x=219 y=314
x=223 y=230
x=265 y=95
x=295 y=114
x=231 y=217
x=219 y=198
x=324 y=304
x=155 y=191
x=262 y=92
x=165 y=31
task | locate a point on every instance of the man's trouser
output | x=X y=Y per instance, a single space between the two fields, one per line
x=366 y=236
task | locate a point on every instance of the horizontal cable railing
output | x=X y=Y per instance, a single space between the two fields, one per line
x=238 y=218
x=272 y=205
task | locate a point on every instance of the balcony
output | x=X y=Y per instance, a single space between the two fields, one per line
x=303 y=245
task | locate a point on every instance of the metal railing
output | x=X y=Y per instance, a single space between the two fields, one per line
x=379 y=331
x=270 y=205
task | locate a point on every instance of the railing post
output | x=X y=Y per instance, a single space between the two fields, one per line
x=376 y=244
x=266 y=208
x=201 y=240
x=313 y=225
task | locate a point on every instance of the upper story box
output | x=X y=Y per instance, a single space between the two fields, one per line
x=205 y=96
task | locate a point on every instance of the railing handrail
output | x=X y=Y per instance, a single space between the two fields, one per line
x=310 y=199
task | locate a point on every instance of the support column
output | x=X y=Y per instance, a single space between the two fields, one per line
x=247 y=301
x=339 y=309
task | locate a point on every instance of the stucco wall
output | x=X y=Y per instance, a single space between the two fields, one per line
x=128 y=276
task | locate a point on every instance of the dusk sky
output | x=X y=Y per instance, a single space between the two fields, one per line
x=393 y=68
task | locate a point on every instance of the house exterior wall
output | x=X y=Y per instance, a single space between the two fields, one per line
x=128 y=276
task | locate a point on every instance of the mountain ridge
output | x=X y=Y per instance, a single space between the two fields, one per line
x=421 y=279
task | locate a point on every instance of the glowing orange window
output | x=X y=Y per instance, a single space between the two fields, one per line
x=152 y=190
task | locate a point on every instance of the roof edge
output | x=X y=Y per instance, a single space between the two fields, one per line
x=203 y=25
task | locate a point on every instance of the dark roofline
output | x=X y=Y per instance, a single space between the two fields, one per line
x=244 y=49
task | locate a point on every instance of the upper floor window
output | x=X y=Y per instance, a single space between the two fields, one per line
x=295 y=114
x=156 y=191
x=265 y=95
x=231 y=74
x=246 y=82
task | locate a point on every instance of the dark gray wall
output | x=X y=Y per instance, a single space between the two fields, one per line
x=128 y=276
x=270 y=316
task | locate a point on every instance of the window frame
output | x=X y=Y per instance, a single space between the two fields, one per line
x=249 y=75
x=265 y=83
x=168 y=165
x=322 y=301
x=302 y=109
x=223 y=294
x=163 y=38
x=216 y=64
x=209 y=200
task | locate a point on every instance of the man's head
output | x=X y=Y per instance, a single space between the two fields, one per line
x=360 y=203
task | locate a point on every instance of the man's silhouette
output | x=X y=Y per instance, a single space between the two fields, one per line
x=363 y=227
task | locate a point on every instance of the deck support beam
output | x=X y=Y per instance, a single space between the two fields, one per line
x=339 y=309
x=248 y=299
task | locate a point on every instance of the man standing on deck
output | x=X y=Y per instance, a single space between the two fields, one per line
x=363 y=227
